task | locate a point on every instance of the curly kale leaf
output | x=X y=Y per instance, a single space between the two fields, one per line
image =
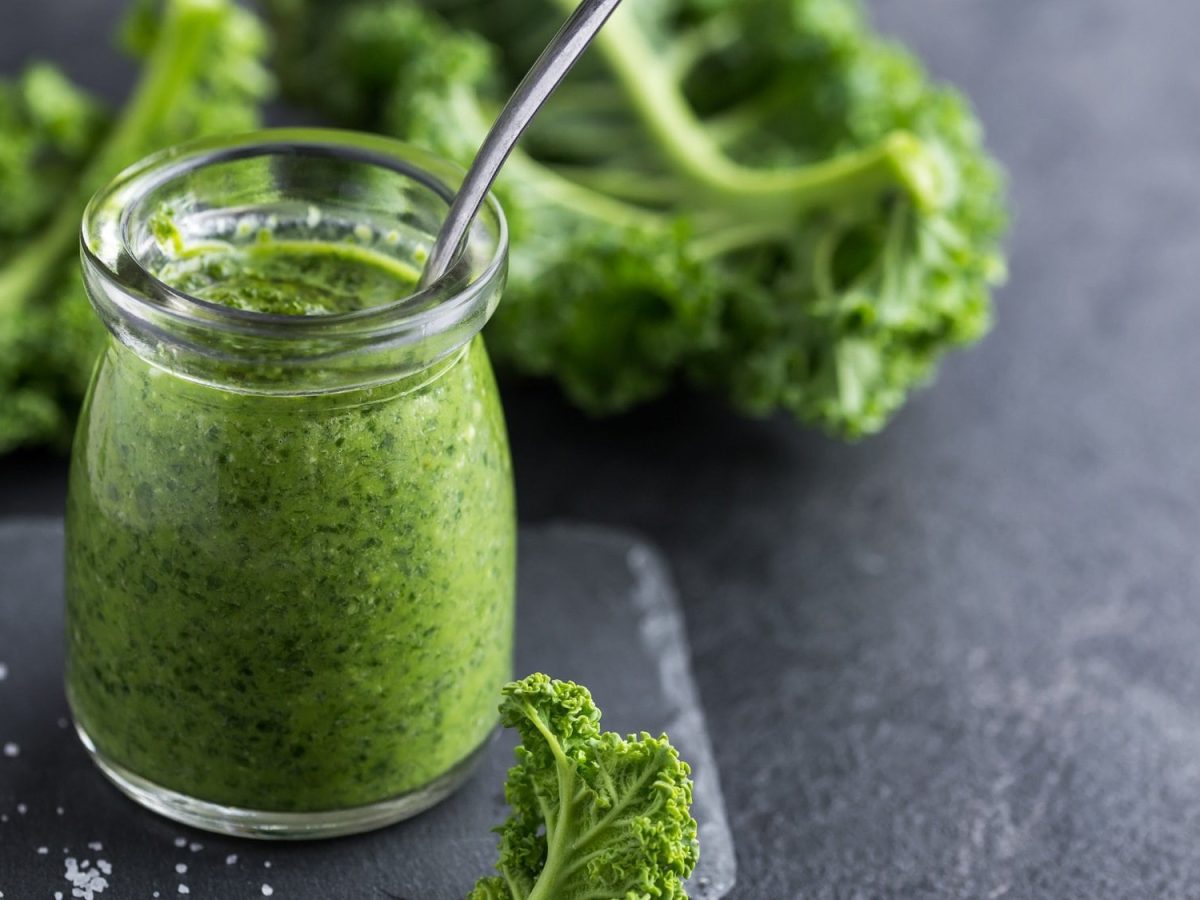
x=202 y=74
x=594 y=814
x=48 y=129
x=766 y=199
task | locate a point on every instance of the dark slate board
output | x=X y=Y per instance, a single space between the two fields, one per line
x=575 y=581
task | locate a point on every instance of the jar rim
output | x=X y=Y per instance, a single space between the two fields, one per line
x=433 y=309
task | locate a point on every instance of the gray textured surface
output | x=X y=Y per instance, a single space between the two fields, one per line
x=958 y=660
x=575 y=583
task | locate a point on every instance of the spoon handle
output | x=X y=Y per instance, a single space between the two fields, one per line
x=537 y=85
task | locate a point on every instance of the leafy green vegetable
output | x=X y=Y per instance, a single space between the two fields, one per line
x=764 y=199
x=761 y=199
x=202 y=74
x=594 y=815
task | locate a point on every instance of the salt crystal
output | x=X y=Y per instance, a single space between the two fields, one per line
x=195 y=846
x=86 y=882
x=96 y=845
x=180 y=842
x=181 y=868
x=42 y=851
x=58 y=810
x=22 y=808
x=184 y=889
x=267 y=864
x=3 y=671
x=231 y=859
x=11 y=750
x=267 y=890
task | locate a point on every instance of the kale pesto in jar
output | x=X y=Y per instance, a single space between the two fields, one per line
x=290 y=545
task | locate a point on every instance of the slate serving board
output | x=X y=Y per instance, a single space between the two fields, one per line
x=595 y=605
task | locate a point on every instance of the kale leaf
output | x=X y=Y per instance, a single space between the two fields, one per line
x=594 y=815
x=203 y=73
x=766 y=200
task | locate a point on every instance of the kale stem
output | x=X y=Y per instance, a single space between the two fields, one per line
x=167 y=71
x=465 y=110
x=741 y=234
x=898 y=161
x=627 y=184
x=557 y=845
x=185 y=29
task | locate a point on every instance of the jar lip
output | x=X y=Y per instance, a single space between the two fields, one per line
x=432 y=309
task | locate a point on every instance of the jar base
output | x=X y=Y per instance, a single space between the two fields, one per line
x=271 y=825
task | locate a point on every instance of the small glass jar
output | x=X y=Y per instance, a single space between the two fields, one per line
x=290 y=537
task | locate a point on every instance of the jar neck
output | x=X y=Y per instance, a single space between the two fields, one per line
x=311 y=188
x=129 y=363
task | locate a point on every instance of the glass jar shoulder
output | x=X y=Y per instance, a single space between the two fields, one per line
x=155 y=450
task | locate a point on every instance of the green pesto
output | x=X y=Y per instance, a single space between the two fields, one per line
x=289 y=603
x=298 y=278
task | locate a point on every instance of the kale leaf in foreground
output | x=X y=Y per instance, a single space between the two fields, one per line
x=202 y=74
x=594 y=815
x=762 y=199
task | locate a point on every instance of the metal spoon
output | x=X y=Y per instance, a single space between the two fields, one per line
x=535 y=88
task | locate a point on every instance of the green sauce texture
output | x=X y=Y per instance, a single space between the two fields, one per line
x=298 y=278
x=290 y=603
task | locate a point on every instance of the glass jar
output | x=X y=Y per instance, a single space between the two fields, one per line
x=290 y=535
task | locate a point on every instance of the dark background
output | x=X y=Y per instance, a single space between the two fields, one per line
x=959 y=659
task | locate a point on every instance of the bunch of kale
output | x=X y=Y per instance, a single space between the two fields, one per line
x=203 y=73
x=765 y=200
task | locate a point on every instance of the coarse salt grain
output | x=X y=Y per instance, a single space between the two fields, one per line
x=86 y=882
x=11 y=750
x=231 y=859
x=96 y=845
x=180 y=842
x=195 y=846
x=181 y=868
x=3 y=671
x=184 y=889
x=42 y=851
x=267 y=890
x=22 y=808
